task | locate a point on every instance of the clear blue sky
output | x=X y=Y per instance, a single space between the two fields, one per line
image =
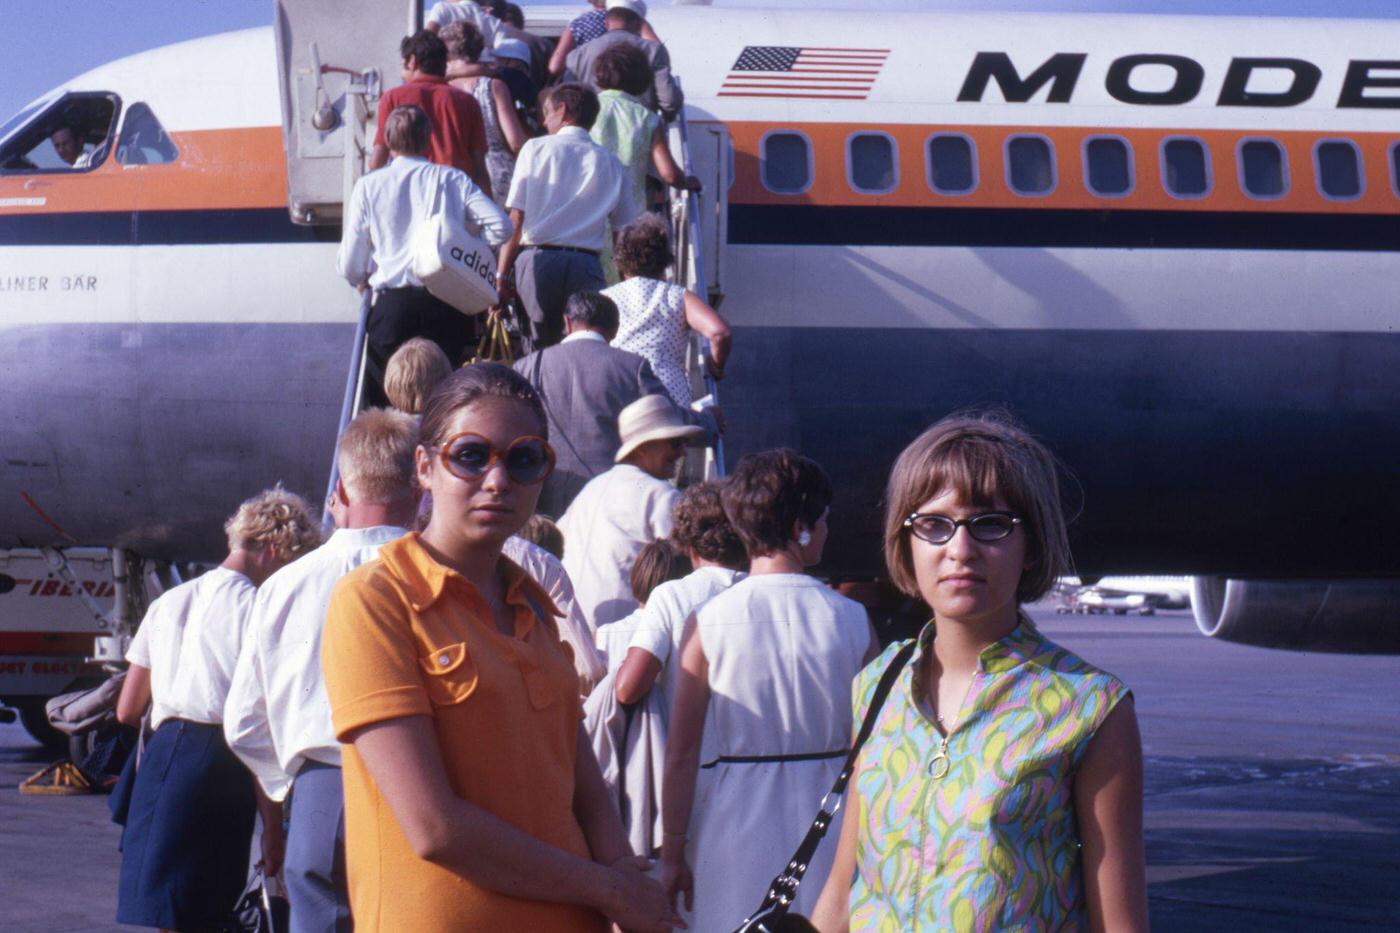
x=46 y=42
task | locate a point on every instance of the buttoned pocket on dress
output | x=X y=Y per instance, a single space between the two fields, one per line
x=539 y=688
x=452 y=676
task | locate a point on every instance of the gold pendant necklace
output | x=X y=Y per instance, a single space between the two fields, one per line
x=938 y=767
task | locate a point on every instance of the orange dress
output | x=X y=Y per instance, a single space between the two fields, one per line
x=406 y=636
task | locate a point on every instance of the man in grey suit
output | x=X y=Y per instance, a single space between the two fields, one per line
x=624 y=25
x=585 y=384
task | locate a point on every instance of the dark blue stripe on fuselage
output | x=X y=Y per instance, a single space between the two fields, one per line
x=159 y=228
x=797 y=225
x=815 y=225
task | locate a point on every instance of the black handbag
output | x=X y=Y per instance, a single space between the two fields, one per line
x=774 y=915
x=258 y=910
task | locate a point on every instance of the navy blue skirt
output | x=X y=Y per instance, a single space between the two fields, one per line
x=188 y=831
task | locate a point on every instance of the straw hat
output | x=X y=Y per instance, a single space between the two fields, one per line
x=651 y=418
x=636 y=6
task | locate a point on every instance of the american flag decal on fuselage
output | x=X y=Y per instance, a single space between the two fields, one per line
x=813 y=73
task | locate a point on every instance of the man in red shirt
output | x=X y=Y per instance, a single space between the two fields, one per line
x=459 y=136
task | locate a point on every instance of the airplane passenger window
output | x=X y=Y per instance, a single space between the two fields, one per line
x=69 y=134
x=786 y=165
x=143 y=140
x=872 y=162
x=1262 y=169
x=952 y=164
x=1338 y=169
x=1030 y=165
x=1185 y=170
x=1108 y=166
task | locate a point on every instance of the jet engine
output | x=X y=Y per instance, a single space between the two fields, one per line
x=1342 y=616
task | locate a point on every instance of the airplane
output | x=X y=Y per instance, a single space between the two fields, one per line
x=1166 y=243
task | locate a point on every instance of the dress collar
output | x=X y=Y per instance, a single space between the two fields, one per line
x=1020 y=645
x=425 y=579
x=573 y=132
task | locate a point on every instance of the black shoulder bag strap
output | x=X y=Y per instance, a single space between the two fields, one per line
x=784 y=887
x=538 y=382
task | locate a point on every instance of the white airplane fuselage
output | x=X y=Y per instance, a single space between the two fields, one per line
x=1219 y=371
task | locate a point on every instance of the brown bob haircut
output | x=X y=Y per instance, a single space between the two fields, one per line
x=624 y=68
x=701 y=526
x=984 y=457
x=770 y=492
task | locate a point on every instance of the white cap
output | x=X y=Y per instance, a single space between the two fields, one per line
x=512 y=48
x=651 y=418
x=636 y=6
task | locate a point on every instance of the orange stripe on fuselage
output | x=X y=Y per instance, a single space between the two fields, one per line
x=217 y=170
x=831 y=188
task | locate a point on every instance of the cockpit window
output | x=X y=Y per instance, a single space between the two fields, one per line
x=72 y=134
x=143 y=140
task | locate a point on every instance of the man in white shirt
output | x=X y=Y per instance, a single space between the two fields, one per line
x=625 y=508
x=385 y=208
x=277 y=718
x=565 y=192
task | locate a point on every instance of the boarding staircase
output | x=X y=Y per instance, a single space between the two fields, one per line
x=334 y=63
x=692 y=271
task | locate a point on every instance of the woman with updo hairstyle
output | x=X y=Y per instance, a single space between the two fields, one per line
x=655 y=318
x=766 y=671
x=472 y=799
x=190 y=811
x=505 y=134
x=1001 y=787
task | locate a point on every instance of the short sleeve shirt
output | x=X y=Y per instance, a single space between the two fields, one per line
x=993 y=843
x=570 y=189
x=663 y=619
x=458 y=130
x=190 y=640
x=406 y=636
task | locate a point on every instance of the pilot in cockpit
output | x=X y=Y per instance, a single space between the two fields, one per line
x=69 y=145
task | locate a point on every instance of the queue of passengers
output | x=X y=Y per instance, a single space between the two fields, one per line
x=422 y=677
x=456 y=714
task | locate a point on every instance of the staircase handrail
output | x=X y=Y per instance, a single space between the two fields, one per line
x=354 y=388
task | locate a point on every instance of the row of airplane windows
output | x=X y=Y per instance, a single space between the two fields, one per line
x=872 y=165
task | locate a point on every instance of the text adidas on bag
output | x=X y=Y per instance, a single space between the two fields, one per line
x=475 y=262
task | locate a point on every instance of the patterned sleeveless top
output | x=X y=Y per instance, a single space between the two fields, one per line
x=993 y=843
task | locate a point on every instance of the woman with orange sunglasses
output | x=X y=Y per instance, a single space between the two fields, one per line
x=472 y=798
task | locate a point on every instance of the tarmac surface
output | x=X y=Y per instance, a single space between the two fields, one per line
x=1273 y=790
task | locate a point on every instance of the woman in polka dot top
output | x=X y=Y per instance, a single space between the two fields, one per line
x=656 y=317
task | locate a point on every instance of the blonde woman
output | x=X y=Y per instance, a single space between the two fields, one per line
x=1001 y=787
x=190 y=820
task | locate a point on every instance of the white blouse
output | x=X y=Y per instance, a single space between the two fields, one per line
x=190 y=642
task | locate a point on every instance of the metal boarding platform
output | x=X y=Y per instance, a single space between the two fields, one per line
x=335 y=61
